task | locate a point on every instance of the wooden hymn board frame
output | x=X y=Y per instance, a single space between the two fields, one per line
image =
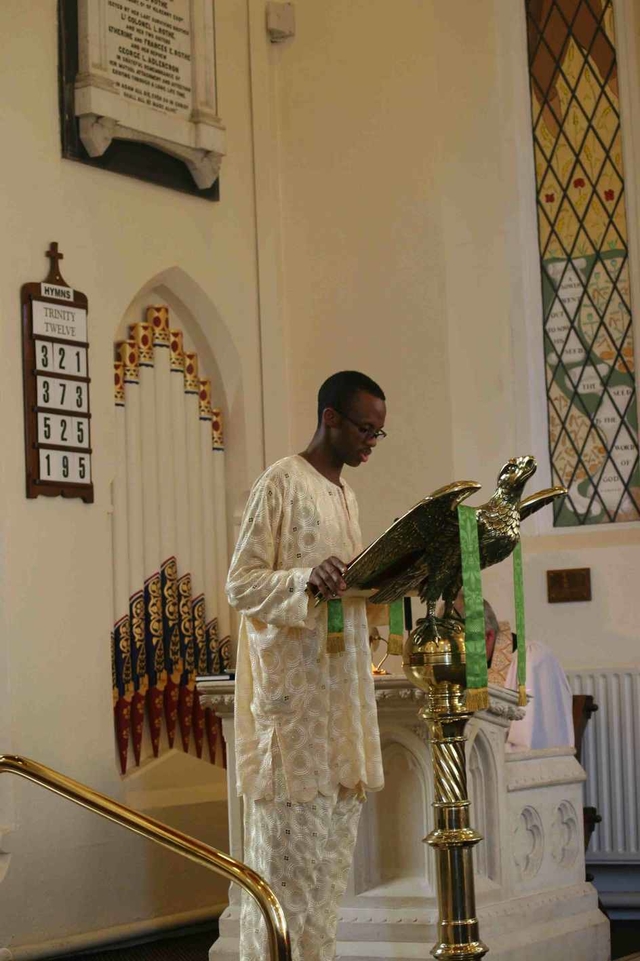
x=57 y=415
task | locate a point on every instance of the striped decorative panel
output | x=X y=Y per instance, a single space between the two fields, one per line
x=611 y=757
x=169 y=544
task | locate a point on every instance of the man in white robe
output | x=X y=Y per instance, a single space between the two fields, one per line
x=307 y=741
x=548 y=717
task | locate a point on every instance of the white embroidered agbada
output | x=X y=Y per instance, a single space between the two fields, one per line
x=318 y=711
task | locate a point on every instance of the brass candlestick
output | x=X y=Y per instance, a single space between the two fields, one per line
x=434 y=660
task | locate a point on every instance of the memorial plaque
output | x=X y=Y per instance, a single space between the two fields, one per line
x=571 y=584
x=149 y=53
x=137 y=90
x=57 y=413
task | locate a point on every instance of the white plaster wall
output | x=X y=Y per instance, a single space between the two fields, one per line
x=69 y=872
x=603 y=632
x=363 y=254
x=389 y=145
x=410 y=251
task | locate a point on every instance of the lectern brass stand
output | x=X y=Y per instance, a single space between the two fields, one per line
x=437 y=666
x=421 y=553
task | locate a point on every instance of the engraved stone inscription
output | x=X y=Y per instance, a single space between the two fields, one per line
x=149 y=52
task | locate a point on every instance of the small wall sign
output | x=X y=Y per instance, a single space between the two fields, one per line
x=57 y=414
x=572 y=584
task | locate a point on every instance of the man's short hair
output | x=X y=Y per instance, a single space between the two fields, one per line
x=338 y=390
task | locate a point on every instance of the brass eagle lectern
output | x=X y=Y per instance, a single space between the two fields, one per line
x=420 y=553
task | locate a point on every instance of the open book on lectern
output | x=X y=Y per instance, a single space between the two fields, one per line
x=421 y=554
x=397 y=563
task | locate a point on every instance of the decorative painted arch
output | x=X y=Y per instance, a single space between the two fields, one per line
x=170 y=527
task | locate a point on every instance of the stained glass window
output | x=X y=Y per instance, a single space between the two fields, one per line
x=588 y=339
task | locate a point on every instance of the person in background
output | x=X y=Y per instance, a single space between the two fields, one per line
x=548 y=719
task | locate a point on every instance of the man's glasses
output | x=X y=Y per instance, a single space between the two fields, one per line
x=369 y=433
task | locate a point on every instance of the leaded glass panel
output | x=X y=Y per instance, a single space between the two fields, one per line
x=582 y=227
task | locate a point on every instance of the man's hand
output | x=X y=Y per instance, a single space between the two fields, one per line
x=327 y=578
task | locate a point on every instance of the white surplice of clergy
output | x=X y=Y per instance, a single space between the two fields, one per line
x=548 y=719
x=306 y=722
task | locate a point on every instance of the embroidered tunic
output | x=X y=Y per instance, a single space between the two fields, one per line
x=318 y=710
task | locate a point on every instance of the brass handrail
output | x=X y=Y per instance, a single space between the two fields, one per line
x=106 y=807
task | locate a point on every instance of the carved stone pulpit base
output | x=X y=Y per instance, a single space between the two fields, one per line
x=532 y=899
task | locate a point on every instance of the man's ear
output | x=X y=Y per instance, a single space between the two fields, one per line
x=490 y=641
x=330 y=417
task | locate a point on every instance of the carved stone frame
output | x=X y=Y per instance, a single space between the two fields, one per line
x=102 y=128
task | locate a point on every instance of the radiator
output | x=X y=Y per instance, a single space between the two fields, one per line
x=611 y=758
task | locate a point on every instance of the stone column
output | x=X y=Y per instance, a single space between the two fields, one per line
x=219 y=695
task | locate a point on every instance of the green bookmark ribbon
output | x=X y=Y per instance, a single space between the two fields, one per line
x=518 y=597
x=335 y=627
x=395 y=643
x=477 y=675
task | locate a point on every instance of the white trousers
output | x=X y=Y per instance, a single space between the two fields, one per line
x=304 y=850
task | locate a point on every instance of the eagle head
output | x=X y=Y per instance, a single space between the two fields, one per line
x=515 y=474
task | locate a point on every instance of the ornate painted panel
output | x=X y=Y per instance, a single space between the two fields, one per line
x=582 y=225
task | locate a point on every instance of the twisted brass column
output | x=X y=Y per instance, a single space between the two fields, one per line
x=434 y=659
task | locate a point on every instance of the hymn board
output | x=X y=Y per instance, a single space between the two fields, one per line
x=57 y=415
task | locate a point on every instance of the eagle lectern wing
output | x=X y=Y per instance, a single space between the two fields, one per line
x=400 y=559
x=540 y=499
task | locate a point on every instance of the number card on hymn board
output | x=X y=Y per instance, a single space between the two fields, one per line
x=56 y=387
